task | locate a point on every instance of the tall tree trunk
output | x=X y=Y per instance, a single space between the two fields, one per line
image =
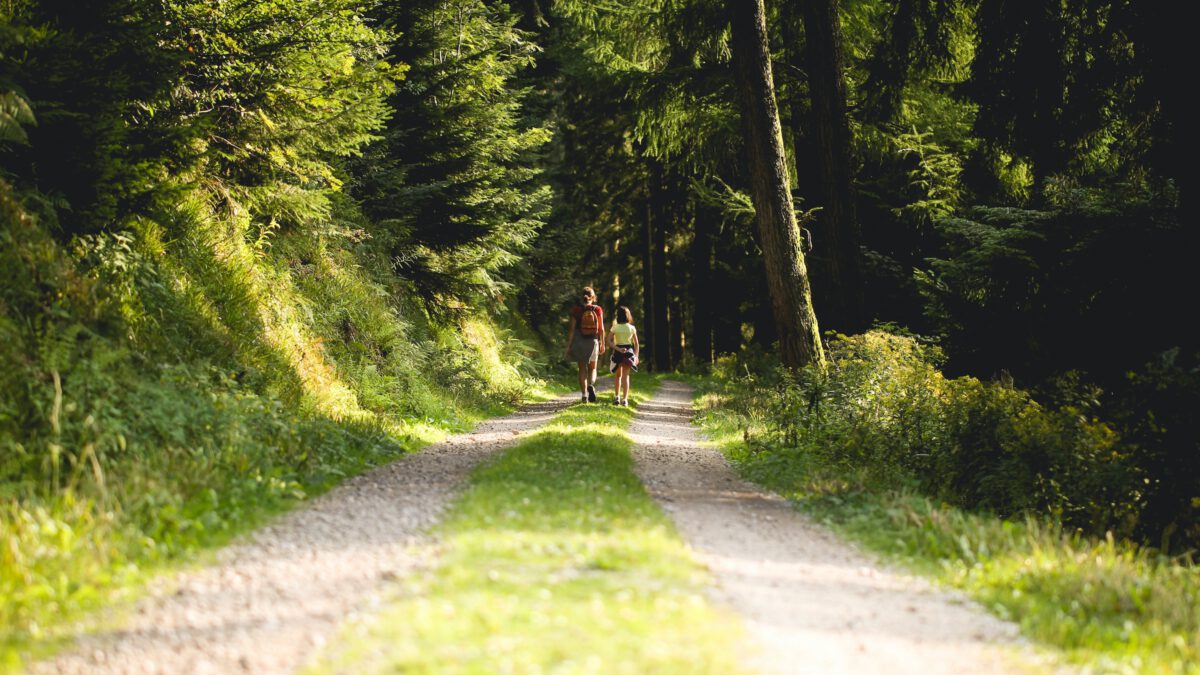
x=779 y=237
x=887 y=71
x=661 y=217
x=699 y=293
x=796 y=102
x=837 y=224
x=616 y=275
x=726 y=292
x=649 y=331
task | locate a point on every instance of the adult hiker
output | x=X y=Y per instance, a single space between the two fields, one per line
x=585 y=342
x=624 y=360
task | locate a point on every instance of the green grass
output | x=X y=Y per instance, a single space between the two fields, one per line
x=67 y=558
x=70 y=563
x=1103 y=604
x=555 y=559
x=183 y=386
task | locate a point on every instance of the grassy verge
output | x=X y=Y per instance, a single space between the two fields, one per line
x=555 y=559
x=169 y=387
x=1107 y=605
x=67 y=559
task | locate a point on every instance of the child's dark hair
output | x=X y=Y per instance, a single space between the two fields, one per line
x=624 y=315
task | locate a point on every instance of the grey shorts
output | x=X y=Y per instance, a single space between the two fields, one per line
x=585 y=349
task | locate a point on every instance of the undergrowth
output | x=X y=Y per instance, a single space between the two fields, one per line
x=170 y=385
x=870 y=450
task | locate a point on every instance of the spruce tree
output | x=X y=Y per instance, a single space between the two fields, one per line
x=779 y=235
x=453 y=185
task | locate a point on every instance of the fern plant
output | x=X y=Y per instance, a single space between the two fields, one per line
x=15 y=115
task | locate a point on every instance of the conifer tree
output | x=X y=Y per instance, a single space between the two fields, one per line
x=453 y=185
x=836 y=222
x=779 y=235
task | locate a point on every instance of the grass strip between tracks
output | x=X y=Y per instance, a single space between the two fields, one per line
x=555 y=559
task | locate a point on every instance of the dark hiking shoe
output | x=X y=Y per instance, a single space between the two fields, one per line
x=591 y=397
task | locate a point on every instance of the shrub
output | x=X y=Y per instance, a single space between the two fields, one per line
x=1156 y=413
x=884 y=411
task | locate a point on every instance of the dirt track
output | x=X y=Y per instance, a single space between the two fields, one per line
x=272 y=600
x=811 y=603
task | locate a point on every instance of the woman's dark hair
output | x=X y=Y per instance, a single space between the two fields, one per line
x=624 y=315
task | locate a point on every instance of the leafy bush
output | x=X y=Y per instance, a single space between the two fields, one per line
x=884 y=411
x=1108 y=603
x=1156 y=413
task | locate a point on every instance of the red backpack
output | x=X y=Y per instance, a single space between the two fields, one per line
x=589 y=320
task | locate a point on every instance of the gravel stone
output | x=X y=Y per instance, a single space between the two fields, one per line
x=811 y=603
x=274 y=597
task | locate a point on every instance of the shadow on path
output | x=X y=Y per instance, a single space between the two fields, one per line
x=812 y=603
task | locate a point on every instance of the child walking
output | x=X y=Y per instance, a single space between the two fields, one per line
x=624 y=360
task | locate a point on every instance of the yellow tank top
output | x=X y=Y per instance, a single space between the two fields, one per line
x=623 y=333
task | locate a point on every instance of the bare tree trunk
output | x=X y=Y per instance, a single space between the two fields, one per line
x=779 y=236
x=660 y=218
x=616 y=275
x=837 y=223
x=701 y=277
x=649 y=331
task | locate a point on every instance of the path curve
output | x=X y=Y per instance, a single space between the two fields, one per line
x=271 y=600
x=811 y=603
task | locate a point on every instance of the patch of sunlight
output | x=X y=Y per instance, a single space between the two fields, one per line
x=555 y=559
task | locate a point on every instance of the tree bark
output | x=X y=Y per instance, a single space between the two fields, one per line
x=700 y=294
x=836 y=228
x=648 y=332
x=616 y=275
x=779 y=236
x=660 y=217
x=887 y=72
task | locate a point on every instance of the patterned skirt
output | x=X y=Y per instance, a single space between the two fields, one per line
x=622 y=354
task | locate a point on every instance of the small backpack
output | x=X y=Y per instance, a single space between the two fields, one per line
x=589 y=321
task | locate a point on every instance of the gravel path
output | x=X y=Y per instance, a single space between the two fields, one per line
x=811 y=603
x=272 y=599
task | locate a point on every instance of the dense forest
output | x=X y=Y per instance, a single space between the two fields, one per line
x=248 y=247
